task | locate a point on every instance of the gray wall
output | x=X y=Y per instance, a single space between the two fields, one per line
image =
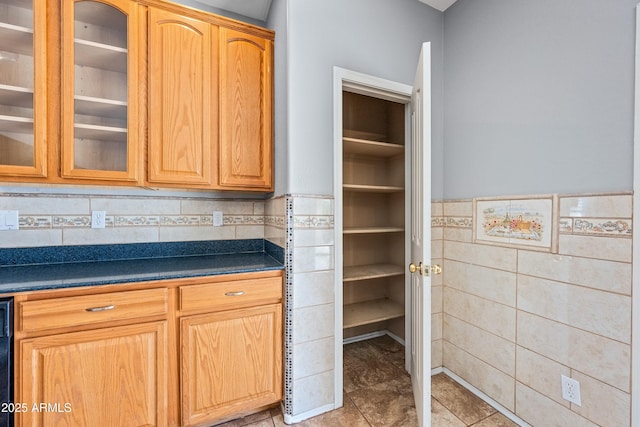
x=277 y=21
x=538 y=96
x=377 y=37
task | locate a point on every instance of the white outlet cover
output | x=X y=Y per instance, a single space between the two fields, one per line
x=217 y=219
x=9 y=220
x=98 y=219
x=571 y=390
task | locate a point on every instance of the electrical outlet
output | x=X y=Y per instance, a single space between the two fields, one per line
x=217 y=218
x=98 y=219
x=9 y=220
x=571 y=390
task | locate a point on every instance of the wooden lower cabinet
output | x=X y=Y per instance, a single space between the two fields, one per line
x=184 y=352
x=231 y=363
x=106 y=377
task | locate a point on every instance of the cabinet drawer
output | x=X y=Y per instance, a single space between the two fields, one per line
x=230 y=295
x=89 y=309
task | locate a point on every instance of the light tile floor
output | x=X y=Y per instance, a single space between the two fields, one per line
x=377 y=392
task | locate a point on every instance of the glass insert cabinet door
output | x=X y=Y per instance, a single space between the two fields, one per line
x=23 y=88
x=99 y=83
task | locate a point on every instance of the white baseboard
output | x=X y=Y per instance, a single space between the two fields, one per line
x=292 y=419
x=371 y=335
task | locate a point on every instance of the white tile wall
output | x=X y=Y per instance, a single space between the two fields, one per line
x=517 y=319
x=313 y=338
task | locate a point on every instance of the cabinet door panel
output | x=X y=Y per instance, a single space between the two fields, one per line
x=246 y=105
x=231 y=362
x=107 y=377
x=23 y=88
x=182 y=116
x=99 y=90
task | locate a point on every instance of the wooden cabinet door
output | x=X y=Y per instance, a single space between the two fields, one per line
x=246 y=111
x=182 y=91
x=23 y=88
x=231 y=362
x=99 y=90
x=107 y=377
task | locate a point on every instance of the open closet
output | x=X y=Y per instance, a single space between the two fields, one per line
x=373 y=217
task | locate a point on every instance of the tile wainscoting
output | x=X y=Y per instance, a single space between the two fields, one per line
x=310 y=313
x=507 y=320
x=515 y=320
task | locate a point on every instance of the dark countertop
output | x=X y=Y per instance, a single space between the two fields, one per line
x=16 y=277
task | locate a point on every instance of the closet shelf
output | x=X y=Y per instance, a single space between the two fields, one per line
x=372 y=230
x=372 y=271
x=371 y=148
x=366 y=188
x=16 y=39
x=364 y=313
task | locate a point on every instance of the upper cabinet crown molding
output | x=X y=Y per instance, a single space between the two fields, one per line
x=218 y=20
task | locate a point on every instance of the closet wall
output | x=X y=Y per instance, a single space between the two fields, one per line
x=373 y=215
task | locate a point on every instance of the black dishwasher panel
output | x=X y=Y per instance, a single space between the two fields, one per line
x=6 y=362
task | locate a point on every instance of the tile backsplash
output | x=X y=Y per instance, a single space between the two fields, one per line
x=54 y=220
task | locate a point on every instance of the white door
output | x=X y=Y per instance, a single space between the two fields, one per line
x=421 y=237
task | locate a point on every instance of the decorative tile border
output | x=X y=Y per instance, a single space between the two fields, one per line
x=316 y=222
x=194 y=220
x=597 y=226
x=605 y=226
x=275 y=221
x=438 y=221
x=459 y=222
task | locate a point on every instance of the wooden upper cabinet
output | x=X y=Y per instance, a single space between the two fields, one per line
x=23 y=88
x=134 y=92
x=182 y=99
x=246 y=111
x=99 y=90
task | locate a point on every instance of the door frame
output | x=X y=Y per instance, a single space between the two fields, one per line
x=363 y=84
x=635 y=300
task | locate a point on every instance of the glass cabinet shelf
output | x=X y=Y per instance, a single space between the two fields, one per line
x=16 y=39
x=102 y=107
x=13 y=124
x=101 y=56
x=16 y=96
x=100 y=133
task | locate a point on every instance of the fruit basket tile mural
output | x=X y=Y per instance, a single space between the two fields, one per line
x=520 y=222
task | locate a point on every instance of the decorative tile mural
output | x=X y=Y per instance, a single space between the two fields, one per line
x=519 y=222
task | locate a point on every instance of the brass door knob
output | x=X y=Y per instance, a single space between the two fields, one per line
x=436 y=269
x=413 y=268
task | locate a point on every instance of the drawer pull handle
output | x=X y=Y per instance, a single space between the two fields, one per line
x=105 y=308
x=234 y=294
